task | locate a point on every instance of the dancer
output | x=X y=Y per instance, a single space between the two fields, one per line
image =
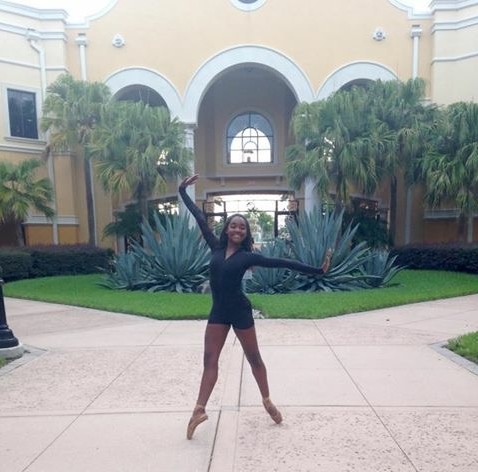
x=232 y=254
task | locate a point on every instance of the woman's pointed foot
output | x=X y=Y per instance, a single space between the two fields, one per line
x=272 y=410
x=198 y=417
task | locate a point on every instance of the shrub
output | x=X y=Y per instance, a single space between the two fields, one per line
x=452 y=257
x=380 y=268
x=312 y=235
x=125 y=274
x=174 y=259
x=266 y=280
x=68 y=259
x=15 y=264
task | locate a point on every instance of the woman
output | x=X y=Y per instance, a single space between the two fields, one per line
x=231 y=256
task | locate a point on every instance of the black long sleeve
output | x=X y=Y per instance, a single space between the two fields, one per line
x=262 y=261
x=211 y=240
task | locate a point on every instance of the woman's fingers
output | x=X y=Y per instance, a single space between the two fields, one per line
x=189 y=180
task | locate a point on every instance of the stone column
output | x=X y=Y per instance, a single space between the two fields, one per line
x=415 y=34
x=189 y=144
x=311 y=197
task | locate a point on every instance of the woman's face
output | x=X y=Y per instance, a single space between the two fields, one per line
x=236 y=230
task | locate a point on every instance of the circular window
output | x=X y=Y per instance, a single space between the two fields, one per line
x=248 y=5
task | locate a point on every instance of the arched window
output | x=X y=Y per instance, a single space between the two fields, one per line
x=249 y=140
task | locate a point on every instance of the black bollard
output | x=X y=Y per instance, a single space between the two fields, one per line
x=7 y=339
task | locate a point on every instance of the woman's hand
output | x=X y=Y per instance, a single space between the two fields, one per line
x=328 y=256
x=189 y=181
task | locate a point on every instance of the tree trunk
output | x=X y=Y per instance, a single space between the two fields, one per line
x=393 y=208
x=19 y=233
x=469 y=233
x=90 y=208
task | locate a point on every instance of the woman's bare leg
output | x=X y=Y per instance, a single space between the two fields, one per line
x=248 y=340
x=214 y=340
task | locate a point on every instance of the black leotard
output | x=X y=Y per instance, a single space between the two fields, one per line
x=230 y=305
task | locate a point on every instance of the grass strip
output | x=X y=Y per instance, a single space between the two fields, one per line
x=466 y=346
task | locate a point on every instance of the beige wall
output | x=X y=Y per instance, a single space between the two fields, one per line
x=310 y=47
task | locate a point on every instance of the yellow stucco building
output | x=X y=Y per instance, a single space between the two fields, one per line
x=223 y=67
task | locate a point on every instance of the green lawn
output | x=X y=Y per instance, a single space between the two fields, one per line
x=407 y=287
x=466 y=346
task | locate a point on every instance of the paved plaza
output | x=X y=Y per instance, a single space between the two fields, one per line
x=367 y=392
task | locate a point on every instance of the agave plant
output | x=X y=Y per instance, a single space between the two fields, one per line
x=379 y=268
x=125 y=274
x=270 y=281
x=174 y=258
x=312 y=235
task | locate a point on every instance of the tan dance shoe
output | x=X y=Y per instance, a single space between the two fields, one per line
x=272 y=410
x=198 y=417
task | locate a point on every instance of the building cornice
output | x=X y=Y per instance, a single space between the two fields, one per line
x=42 y=34
x=446 y=5
x=455 y=25
x=412 y=13
x=94 y=16
x=31 y=12
x=462 y=57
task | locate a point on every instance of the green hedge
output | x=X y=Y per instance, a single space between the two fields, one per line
x=15 y=264
x=451 y=257
x=45 y=261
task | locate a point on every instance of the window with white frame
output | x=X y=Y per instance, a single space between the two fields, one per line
x=22 y=114
x=249 y=139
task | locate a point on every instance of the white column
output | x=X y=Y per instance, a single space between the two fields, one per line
x=189 y=144
x=82 y=42
x=415 y=34
x=33 y=37
x=311 y=197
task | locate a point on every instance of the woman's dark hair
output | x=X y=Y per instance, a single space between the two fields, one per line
x=247 y=244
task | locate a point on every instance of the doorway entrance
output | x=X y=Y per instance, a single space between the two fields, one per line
x=267 y=212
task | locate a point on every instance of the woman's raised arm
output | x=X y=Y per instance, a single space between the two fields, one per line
x=199 y=216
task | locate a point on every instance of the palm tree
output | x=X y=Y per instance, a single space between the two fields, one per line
x=131 y=143
x=20 y=191
x=338 y=140
x=450 y=169
x=399 y=106
x=71 y=111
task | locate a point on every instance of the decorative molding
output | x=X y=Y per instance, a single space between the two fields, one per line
x=150 y=78
x=267 y=58
x=455 y=25
x=441 y=214
x=86 y=23
x=248 y=6
x=31 y=12
x=463 y=57
x=60 y=220
x=33 y=66
x=412 y=12
x=455 y=5
x=42 y=34
x=21 y=149
x=356 y=70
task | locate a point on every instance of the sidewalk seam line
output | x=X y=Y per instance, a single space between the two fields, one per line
x=367 y=401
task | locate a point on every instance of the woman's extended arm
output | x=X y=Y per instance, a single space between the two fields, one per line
x=274 y=262
x=209 y=236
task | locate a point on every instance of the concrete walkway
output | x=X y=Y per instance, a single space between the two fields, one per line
x=369 y=392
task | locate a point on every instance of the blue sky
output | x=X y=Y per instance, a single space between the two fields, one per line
x=78 y=9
